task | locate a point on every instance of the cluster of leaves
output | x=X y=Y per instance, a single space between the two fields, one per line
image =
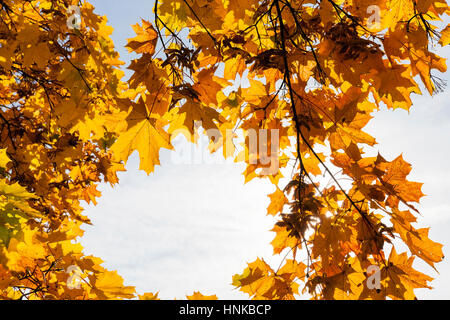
x=58 y=89
x=317 y=71
x=62 y=107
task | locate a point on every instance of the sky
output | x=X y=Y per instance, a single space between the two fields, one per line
x=190 y=227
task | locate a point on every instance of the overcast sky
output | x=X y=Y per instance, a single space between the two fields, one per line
x=191 y=227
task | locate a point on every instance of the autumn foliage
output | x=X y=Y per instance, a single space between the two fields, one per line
x=318 y=72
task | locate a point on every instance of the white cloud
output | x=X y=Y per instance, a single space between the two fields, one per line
x=184 y=228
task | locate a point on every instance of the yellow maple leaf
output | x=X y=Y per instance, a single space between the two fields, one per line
x=149 y=296
x=277 y=202
x=146 y=39
x=445 y=36
x=109 y=285
x=198 y=296
x=145 y=134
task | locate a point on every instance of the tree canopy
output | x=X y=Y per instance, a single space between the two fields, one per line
x=318 y=72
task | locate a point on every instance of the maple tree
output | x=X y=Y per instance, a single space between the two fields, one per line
x=318 y=71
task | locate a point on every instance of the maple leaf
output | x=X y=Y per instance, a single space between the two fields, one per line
x=190 y=115
x=145 y=41
x=445 y=36
x=401 y=279
x=277 y=202
x=260 y=281
x=145 y=134
x=198 y=296
x=283 y=240
x=417 y=240
x=251 y=281
x=149 y=296
x=109 y=285
x=395 y=179
x=208 y=86
x=399 y=10
x=345 y=283
x=396 y=85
